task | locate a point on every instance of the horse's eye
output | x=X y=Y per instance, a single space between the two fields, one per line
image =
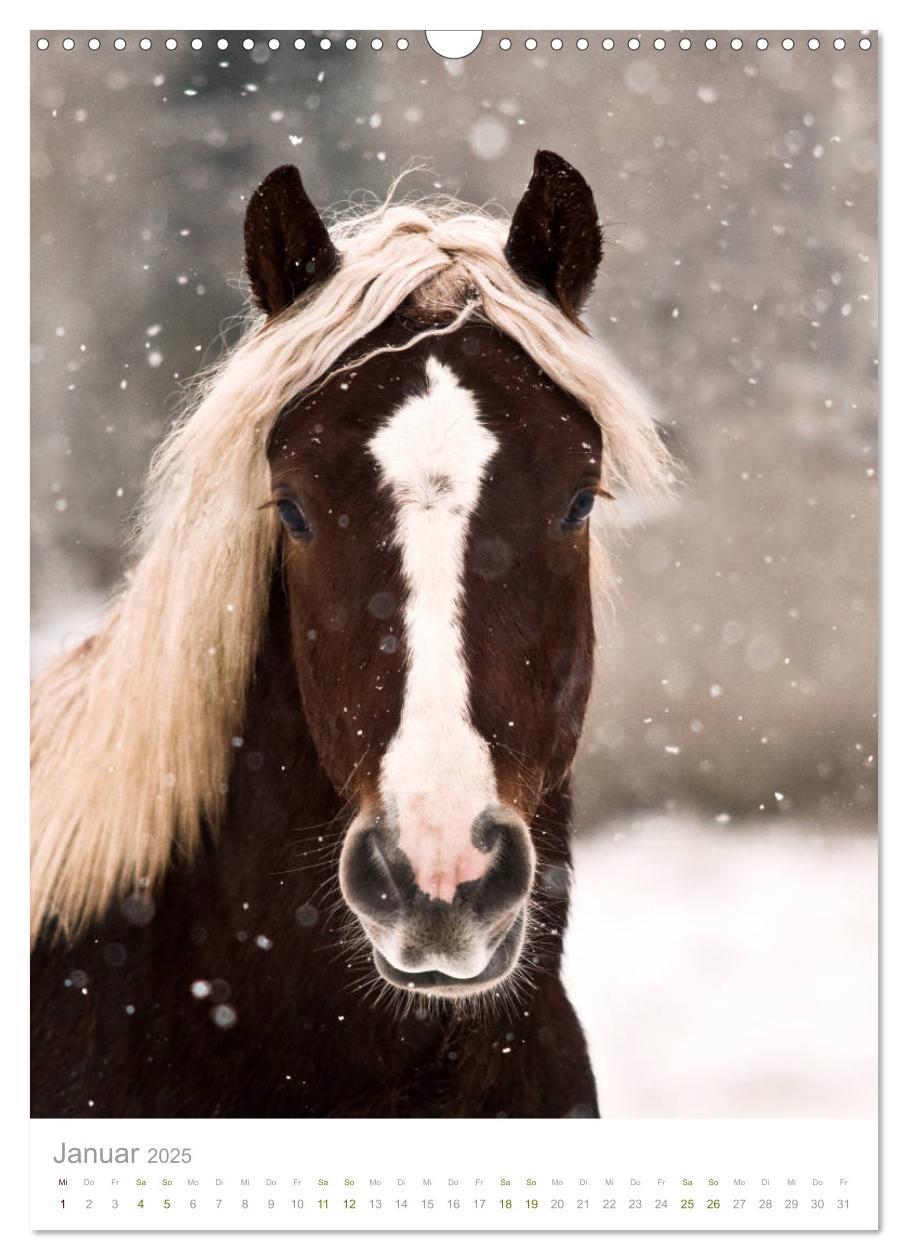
x=296 y=523
x=582 y=504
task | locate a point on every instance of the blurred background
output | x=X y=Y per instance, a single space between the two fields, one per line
x=723 y=948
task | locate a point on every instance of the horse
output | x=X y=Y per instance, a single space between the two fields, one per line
x=302 y=806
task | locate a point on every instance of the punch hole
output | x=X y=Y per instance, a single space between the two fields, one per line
x=119 y=44
x=530 y=43
x=633 y=43
x=762 y=44
x=324 y=44
x=583 y=44
x=350 y=43
x=865 y=43
x=813 y=44
x=377 y=44
x=838 y=44
x=788 y=44
x=223 y=44
x=557 y=44
x=608 y=44
x=249 y=44
x=43 y=44
x=712 y=43
x=659 y=44
x=69 y=44
x=737 y=44
x=452 y=45
x=170 y=43
x=504 y=44
x=684 y=43
x=299 y=44
x=274 y=44
x=145 y=44
x=403 y=44
x=94 y=43
x=196 y=43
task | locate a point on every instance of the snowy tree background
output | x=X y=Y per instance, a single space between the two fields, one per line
x=723 y=952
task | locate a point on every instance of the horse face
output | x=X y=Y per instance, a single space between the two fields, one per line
x=436 y=561
x=436 y=557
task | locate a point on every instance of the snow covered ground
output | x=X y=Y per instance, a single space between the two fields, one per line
x=723 y=971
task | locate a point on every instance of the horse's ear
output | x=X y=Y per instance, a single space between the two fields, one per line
x=555 y=239
x=288 y=248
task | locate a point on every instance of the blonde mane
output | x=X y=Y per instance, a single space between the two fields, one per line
x=132 y=730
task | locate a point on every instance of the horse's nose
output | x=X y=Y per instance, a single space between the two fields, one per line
x=450 y=944
x=491 y=873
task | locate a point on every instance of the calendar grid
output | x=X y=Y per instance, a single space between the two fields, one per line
x=311 y=1175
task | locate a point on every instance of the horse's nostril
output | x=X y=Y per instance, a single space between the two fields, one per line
x=372 y=883
x=373 y=853
x=510 y=873
x=492 y=835
x=490 y=838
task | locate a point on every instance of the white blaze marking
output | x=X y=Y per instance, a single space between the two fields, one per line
x=437 y=773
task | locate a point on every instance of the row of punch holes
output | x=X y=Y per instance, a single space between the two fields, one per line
x=634 y=44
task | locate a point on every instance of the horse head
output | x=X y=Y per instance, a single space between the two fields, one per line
x=434 y=491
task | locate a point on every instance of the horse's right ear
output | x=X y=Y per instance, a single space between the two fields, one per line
x=288 y=248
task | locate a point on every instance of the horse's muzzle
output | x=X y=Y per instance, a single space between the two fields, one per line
x=424 y=944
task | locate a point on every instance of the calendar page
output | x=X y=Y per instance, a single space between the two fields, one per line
x=454 y=630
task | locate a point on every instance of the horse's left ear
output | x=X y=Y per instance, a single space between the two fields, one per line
x=287 y=245
x=555 y=239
